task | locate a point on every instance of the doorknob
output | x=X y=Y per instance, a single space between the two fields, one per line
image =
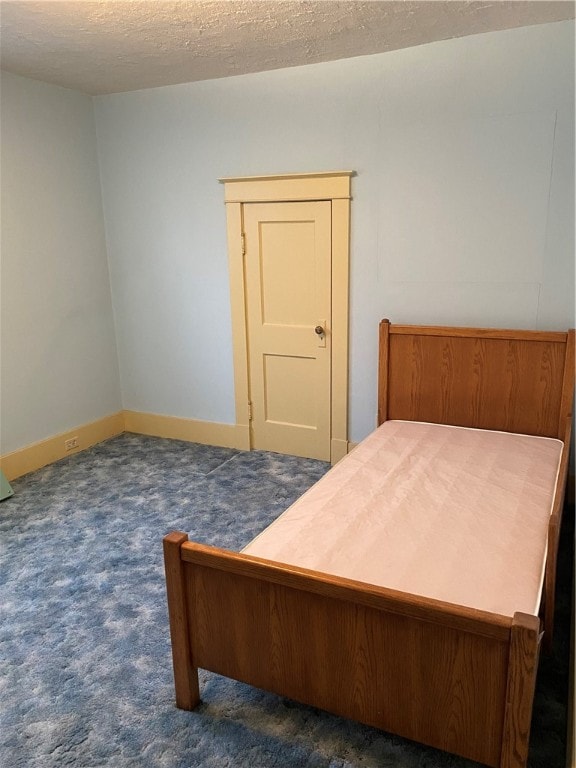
x=319 y=330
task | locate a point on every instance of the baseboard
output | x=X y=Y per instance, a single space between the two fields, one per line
x=338 y=449
x=38 y=455
x=190 y=430
x=45 y=452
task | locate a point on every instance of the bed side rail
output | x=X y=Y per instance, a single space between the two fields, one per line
x=554 y=526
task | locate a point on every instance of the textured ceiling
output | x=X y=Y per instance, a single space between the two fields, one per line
x=110 y=46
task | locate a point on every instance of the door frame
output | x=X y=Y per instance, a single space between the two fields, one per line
x=333 y=186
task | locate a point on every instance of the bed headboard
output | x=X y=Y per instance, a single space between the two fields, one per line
x=514 y=381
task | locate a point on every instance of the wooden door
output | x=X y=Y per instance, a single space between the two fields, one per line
x=288 y=316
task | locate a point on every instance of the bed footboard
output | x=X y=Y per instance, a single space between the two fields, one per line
x=453 y=678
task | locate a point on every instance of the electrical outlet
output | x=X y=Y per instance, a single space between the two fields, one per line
x=71 y=444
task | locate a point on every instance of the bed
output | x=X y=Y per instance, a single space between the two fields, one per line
x=456 y=673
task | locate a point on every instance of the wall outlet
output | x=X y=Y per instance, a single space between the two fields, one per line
x=71 y=444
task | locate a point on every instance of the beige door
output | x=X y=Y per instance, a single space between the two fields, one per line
x=288 y=296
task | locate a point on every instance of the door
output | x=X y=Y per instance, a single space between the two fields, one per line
x=288 y=315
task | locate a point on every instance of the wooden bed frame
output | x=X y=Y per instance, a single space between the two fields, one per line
x=454 y=678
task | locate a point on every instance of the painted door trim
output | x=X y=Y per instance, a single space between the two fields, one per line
x=333 y=186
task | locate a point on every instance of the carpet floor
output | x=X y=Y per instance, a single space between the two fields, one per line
x=86 y=676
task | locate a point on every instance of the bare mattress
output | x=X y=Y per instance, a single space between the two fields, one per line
x=450 y=513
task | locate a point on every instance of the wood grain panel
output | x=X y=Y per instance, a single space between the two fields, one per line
x=420 y=680
x=514 y=385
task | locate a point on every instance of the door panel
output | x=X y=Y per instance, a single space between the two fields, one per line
x=288 y=285
x=288 y=381
x=288 y=294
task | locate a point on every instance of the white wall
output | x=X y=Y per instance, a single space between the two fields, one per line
x=463 y=208
x=59 y=366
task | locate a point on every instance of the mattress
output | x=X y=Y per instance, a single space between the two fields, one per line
x=455 y=514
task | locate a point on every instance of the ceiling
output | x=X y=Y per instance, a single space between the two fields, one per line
x=108 y=46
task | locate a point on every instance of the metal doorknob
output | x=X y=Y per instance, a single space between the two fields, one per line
x=319 y=330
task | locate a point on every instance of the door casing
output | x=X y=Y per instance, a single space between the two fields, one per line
x=331 y=186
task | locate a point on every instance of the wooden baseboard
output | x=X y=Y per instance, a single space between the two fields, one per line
x=338 y=449
x=190 y=430
x=38 y=455
x=45 y=452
